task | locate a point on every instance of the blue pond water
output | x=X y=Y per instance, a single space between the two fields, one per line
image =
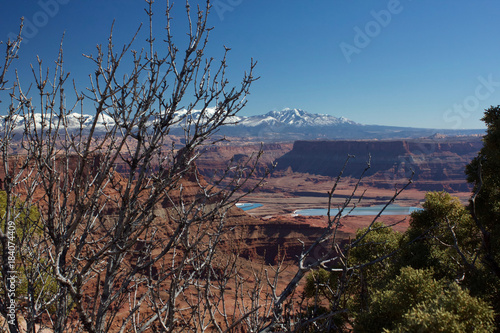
x=247 y=206
x=373 y=210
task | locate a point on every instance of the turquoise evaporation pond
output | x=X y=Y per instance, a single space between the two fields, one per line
x=361 y=211
x=247 y=206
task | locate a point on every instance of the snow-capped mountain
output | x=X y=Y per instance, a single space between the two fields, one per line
x=286 y=117
x=293 y=117
x=73 y=122
x=284 y=125
x=183 y=117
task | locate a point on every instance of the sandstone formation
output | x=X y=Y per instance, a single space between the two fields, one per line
x=438 y=164
x=216 y=158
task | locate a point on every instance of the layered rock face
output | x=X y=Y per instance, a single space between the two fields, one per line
x=437 y=164
x=215 y=159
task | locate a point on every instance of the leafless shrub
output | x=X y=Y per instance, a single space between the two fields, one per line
x=93 y=250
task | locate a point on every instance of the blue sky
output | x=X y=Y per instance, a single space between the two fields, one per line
x=416 y=63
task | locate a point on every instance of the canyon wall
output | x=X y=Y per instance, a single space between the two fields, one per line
x=216 y=158
x=438 y=164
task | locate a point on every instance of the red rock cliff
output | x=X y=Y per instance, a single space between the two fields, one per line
x=431 y=160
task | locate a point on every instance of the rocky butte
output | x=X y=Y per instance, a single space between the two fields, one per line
x=437 y=163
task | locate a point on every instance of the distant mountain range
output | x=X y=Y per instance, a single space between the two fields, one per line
x=284 y=125
x=296 y=124
x=293 y=118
